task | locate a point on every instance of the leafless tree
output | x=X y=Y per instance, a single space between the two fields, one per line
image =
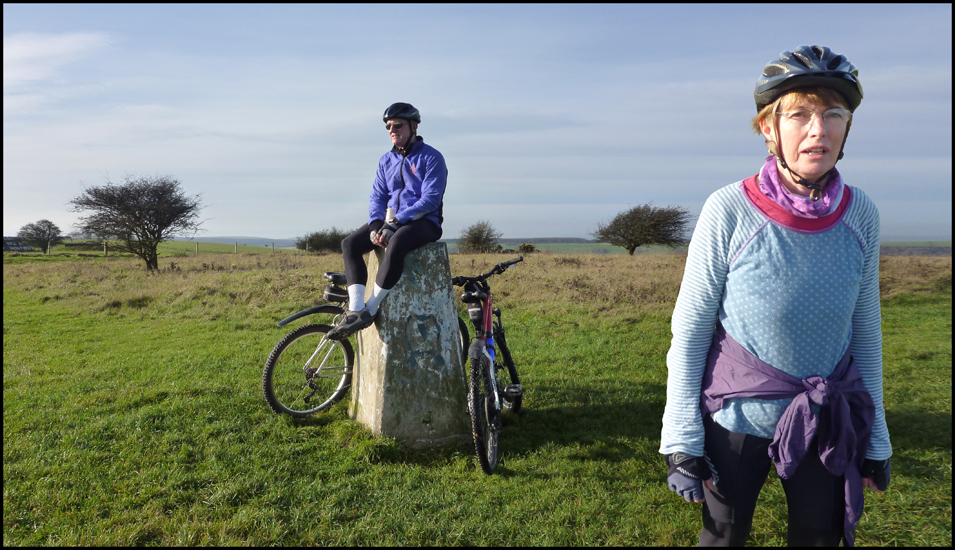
x=645 y=225
x=139 y=214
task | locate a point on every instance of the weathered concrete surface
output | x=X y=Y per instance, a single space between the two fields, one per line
x=410 y=383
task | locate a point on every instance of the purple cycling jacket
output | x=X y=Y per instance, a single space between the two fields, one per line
x=413 y=185
x=843 y=425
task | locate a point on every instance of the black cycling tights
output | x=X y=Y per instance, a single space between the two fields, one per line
x=408 y=237
x=739 y=464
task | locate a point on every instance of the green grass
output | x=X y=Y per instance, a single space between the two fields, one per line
x=167 y=249
x=133 y=414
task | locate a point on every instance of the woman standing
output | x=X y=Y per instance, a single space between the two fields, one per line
x=776 y=355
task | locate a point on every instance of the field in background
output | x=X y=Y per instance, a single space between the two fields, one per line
x=180 y=249
x=133 y=412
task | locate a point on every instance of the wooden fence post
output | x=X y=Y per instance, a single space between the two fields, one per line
x=197 y=249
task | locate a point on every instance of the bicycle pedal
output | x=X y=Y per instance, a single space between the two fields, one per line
x=513 y=391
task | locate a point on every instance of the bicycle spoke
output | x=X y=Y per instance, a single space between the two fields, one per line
x=293 y=386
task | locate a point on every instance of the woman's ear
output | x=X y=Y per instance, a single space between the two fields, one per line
x=769 y=134
x=767 y=129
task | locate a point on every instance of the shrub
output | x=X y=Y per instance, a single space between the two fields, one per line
x=327 y=240
x=479 y=238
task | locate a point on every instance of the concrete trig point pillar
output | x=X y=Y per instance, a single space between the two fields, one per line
x=409 y=382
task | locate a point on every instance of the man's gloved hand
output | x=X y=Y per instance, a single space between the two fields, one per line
x=373 y=228
x=878 y=471
x=386 y=231
x=685 y=475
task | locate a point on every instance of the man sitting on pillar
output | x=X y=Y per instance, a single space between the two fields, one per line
x=404 y=214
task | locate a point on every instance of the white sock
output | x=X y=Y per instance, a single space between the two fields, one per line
x=376 y=297
x=356 y=297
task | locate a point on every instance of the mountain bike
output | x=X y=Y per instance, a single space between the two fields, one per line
x=306 y=372
x=493 y=383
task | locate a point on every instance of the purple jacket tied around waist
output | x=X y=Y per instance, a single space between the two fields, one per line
x=843 y=426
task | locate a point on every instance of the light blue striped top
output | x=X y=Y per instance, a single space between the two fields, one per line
x=796 y=299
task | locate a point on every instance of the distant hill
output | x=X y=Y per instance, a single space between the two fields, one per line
x=288 y=243
x=250 y=241
x=932 y=248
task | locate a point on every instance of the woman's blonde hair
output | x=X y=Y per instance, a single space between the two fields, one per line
x=818 y=97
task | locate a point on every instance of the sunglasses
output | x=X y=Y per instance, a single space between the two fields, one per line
x=395 y=125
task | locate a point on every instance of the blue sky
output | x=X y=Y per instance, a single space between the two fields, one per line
x=551 y=118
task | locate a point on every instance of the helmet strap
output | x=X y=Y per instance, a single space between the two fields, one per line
x=404 y=150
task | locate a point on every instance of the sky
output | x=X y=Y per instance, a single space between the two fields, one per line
x=551 y=118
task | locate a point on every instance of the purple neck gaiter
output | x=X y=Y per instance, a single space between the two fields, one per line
x=803 y=207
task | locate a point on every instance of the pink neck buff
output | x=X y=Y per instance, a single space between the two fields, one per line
x=803 y=207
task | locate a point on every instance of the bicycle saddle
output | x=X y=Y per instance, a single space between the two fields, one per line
x=335 y=278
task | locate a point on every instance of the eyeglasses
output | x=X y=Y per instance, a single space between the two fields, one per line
x=395 y=125
x=837 y=116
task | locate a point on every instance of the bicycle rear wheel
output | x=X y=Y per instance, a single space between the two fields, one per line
x=465 y=344
x=485 y=419
x=306 y=372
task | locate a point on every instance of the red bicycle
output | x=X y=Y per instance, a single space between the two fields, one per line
x=493 y=383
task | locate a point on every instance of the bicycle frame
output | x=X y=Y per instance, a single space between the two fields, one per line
x=483 y=344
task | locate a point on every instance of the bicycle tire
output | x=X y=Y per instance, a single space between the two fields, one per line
x=485 y=425
x=511 y=377
x=294 y=384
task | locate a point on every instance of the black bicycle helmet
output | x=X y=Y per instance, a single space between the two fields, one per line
x=402 y=110
x=808 y=66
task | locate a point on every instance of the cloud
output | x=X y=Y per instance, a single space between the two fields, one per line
x=33 y=65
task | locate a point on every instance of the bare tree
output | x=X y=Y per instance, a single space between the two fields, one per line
x=479 y=238
x=140 y=213
x=644 y=225
x=43 y=234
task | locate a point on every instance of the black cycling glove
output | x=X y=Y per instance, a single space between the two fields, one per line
x=685 y=475
x=388 y=230
x=878 y=470
x=373 y=228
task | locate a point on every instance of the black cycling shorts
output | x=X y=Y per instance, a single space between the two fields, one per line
x=740 y=464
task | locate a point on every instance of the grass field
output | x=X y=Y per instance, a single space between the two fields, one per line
x=133 y=413
x=179 y=249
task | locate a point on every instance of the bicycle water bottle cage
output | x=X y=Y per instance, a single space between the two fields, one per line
x=335 y=278
x=474 y=297
x=335 y=294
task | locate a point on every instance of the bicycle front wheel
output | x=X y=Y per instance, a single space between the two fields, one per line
x=306 y=372
x=485 y=418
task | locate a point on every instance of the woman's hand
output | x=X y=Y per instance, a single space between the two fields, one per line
x=876 y=474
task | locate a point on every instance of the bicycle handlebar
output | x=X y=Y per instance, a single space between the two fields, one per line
x=496 y=270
